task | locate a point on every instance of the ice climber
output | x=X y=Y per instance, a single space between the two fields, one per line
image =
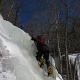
x=42 y=51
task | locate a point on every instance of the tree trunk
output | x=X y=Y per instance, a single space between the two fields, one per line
x=66 y=54
x=74 y=70
x=70 y=69
x=59 y=51
x=0 y=2
x=16 y=17
x=67 y=60
x=10 y=10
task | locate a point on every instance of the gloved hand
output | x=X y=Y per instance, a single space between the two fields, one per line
x=32 y=38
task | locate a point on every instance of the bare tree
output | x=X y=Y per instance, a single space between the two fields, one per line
x=11 y=10
x=67 y=72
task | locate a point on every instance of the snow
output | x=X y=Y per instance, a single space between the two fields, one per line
x=17 y=55
x=72 y=58
x=75 y=60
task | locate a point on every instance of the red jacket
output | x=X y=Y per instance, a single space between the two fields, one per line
x=41 y=45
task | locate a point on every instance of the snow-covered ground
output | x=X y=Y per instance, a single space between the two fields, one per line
x=17 y=60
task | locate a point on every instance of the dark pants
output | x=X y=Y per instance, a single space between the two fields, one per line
x=45 y=56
